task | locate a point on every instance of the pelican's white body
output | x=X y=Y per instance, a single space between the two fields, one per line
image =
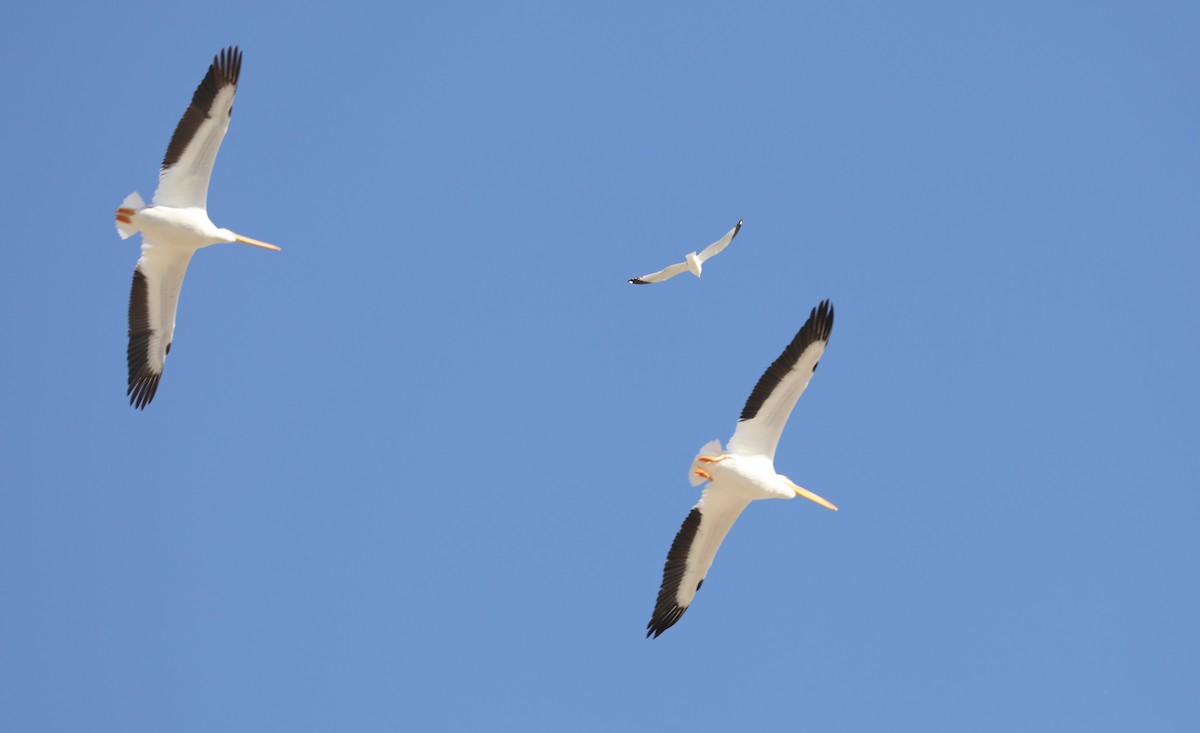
x=183 y=229
x=748 y=477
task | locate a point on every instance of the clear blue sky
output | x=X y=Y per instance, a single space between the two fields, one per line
x=421 y=469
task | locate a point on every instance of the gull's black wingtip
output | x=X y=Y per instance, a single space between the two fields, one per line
x=638 y=281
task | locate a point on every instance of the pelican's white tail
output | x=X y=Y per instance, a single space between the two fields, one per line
x=131 y=205
x=712 y=449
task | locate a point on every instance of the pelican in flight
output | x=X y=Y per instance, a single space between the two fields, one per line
x=176 y=224
x=745 y=471
x=692 y=263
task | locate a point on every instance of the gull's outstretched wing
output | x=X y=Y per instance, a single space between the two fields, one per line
x=721 y=243
x=664 y=274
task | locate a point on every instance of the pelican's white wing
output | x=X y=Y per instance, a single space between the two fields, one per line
x=721 y=243
x=771 y=402
x=664 y=274
x=692 y=554
x=157 y=280
x=188 y=164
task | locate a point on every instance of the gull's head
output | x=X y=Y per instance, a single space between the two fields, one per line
x=801 y=491
x=232 y=237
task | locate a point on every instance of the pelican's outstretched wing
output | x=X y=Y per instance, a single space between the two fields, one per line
x=692 y=554
x=771 y=402
x=157 y=280
x=188 y=164
x=721 y=243
x=664 y=274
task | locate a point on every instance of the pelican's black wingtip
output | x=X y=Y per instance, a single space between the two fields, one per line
x=142 y=390
x=663 y=619
x=228 y=64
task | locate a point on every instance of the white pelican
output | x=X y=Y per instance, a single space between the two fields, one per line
x=693 y=262
x=176 y=224
x=743 y=473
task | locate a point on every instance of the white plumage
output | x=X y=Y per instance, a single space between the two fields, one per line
x=692 y=262
x=743 y=472
x=176 y=224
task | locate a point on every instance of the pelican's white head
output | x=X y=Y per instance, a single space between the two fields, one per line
x=801 y=491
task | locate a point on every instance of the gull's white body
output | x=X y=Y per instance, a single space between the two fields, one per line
x=176 y=225
x=742 y=473
x=692 y=262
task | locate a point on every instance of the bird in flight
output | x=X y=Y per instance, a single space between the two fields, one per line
x=176 y=224
x=692 y=262
x=743 y=472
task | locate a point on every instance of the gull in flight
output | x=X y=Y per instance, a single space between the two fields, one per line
x=692 y=263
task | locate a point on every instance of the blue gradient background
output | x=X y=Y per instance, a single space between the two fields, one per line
x=420 y=470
